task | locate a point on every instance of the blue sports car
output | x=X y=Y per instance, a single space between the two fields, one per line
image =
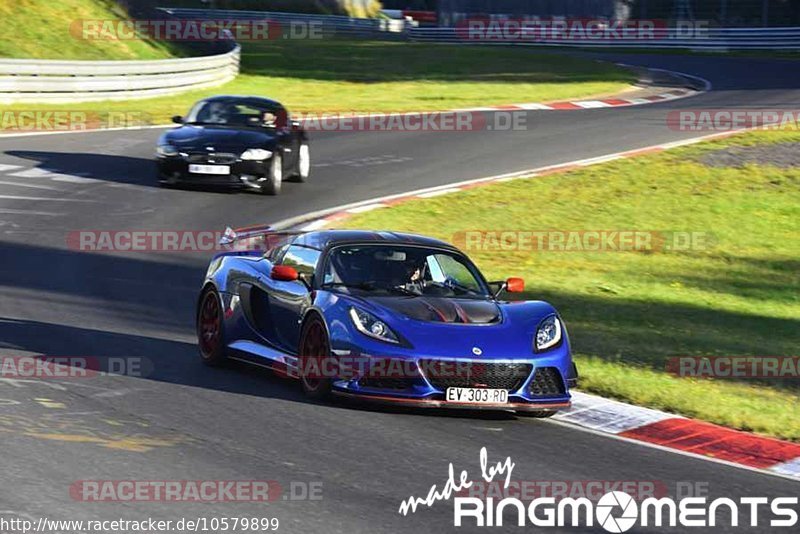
x=383 y=316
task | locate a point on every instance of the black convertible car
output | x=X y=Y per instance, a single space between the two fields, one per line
x=234 y=141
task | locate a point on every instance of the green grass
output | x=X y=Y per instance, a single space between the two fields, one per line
x=629 y=312
x=335 y=75
x=41 y=29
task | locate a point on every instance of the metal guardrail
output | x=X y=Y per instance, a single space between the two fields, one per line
x=715 y=39
x=709 y=39
x=30 y=80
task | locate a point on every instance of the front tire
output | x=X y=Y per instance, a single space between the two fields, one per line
x=315 y=348
x=272 y=182
x=303 y=166
x=211 y=328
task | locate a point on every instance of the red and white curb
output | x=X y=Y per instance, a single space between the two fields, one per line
x=681 y=434
x=666 y=96
x=624 y=421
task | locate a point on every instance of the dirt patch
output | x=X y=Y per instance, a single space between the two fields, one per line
x=784 y=155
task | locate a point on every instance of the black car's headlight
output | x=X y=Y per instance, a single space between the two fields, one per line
x=256 y=154
x=548 y=334
x=166 y=150
x=368 y=324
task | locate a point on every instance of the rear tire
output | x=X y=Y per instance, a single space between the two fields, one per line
x=272 y=184
x=211 y=329
x=314 y=349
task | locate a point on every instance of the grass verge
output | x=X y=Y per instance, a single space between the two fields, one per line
x=41 y=29
x=629 y=313
x=336 y=75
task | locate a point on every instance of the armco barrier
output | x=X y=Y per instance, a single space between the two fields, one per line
x=711 y=39
x=29 y=80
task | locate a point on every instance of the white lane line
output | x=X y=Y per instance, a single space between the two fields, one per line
x=601 y=159
x=73 y=179
x=32 y=173
x=31 y=186
x=14 y=197
x=368 y=207
x=55 y=176
x=29 y=212
x=440 y=192
x=5 y=167
x=316 y=225
x=790 y=468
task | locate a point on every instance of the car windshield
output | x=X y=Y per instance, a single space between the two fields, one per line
x=239 y=114
x=403 y=271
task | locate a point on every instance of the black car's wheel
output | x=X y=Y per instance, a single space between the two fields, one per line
x=315 y=349
x=302 y=168
x=272 y=184
x=211 y=328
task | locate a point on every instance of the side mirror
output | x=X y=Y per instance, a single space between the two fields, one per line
x=515 y=285
x=511 y=285
x=177 y=119
x=284 y=273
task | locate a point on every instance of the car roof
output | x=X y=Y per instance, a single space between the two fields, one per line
x=322 y=239
x=238 y=99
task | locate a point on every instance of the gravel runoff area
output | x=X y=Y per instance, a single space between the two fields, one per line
x=784 y=155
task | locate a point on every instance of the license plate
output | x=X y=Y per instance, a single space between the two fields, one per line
x=477 y=395
x=210 y=169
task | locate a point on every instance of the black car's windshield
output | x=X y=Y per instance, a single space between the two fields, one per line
x=236 y=114
x=403 y=271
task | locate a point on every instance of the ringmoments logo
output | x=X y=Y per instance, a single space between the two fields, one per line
x=615 y=511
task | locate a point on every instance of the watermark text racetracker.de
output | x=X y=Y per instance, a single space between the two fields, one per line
x=556 y=240
x=615 y=511
x=735 y=367
x=43 y=120
x=193 y=30
x=424 y=121
x=52 y=367
x=140 y=240
x=537 y=29
x=731 y=119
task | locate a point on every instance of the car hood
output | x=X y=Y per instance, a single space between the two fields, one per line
x=441 y=310
x=219 y=138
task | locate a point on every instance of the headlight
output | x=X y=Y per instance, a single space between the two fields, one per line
x=166 y=150
x=548 y=334
x=256 y=154
x=368 y=324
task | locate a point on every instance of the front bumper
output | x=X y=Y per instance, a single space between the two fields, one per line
x=243 y=174
x=440 y=403
x=544 y=386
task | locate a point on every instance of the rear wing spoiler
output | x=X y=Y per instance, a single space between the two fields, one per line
x=259 y=237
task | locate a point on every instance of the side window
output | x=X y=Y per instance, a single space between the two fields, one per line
x=301 y=258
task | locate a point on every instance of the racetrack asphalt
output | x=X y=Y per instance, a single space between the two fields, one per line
x=184 y=421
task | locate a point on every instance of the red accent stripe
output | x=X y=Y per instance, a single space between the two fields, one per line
x=615 y=102
x=509 y=106
x=564 y=105
x=716 y=441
